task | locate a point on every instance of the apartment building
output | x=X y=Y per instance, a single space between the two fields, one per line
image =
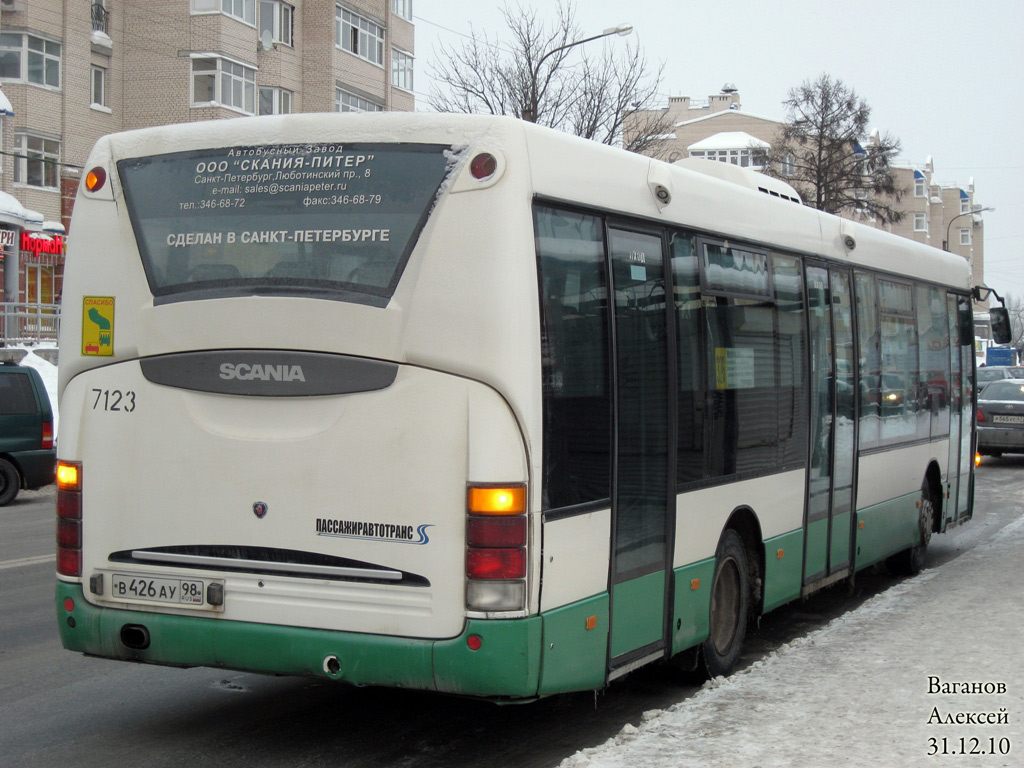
x=941 y=215
x=71 y=72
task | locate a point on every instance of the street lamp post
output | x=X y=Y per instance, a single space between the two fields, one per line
x=945 y=243
x=530 y=112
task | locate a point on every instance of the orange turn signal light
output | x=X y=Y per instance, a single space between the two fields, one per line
x=95 y=179
x=69 y=476
x=503 y=500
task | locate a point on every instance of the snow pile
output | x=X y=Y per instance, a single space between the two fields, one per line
x=857 y=692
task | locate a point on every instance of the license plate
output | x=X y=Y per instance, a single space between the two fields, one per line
x=189 y=593
x=1008 y=419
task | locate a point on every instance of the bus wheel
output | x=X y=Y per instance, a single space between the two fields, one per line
x=910 y=561
x=10 y=482
x=730 y=603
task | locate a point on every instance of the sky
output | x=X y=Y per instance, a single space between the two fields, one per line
x=946 y=78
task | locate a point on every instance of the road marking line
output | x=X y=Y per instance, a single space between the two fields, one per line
x=27 y=561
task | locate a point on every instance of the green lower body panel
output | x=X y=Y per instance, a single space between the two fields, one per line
x=638 y=612
x=692 y=610
x=887 y=528
x=816 y=557
x=506 y=665
x=575 y=646
x=782 y=569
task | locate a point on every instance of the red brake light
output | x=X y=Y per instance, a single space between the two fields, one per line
x=504 y=563
x=69 y=533
x=47 y=435
x=981 y=416
x=497 y=531
x=69 y=561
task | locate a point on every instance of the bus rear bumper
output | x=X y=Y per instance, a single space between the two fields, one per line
x=506 y=665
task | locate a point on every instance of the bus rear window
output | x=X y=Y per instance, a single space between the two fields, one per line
x=330 y=220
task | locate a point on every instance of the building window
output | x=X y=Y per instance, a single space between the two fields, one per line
x=965 y=205
x=401 y=69
x=920 y=187
x=275 y=101
x=220 y=81
x=276 y=18
x=38 y=161
x=243 y=10
x=402 y=8
x=99 y=87
x=965 y=236
x=29 y=59
x=359 y=35
x=344 y=101
x=920 y=222
x=740 y=157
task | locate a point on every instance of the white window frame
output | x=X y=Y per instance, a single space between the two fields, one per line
x=402 y=8
x=965 y=205
x=280 y=23
x=47 y=158
x=48 y=53
x=347 y=101
x=98 y=88
x=920 y=187
x=965 y=236
x=243 y=10
x=281 y=100
x=402 y=69
x=359 y=35
x=920 y=222
x=226 y=72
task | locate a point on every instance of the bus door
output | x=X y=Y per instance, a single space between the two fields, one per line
x=642 y=505
x=961 y=352
x=828 y=520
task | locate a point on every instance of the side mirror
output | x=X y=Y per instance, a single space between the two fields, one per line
x=999 y=318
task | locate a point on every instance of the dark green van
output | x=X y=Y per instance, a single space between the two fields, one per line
x=27 y=454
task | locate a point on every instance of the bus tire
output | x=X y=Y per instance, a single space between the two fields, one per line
x=10 y=482
x=911 y=560
x=730 y=605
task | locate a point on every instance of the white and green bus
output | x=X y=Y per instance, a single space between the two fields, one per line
x=462 y=404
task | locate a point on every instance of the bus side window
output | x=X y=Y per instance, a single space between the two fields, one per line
x=574 y=358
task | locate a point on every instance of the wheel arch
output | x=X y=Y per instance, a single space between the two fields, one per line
x=745 y=522
x=933 y=482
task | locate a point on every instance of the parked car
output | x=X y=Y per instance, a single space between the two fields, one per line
x=28 y=458
x=1001 y=418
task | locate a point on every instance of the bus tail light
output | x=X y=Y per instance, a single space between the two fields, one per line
x=69 y=518
x=496 y=548
x=47 y=435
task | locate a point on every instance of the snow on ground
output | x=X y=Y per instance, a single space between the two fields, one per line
x=48 y=372
x=857 y=691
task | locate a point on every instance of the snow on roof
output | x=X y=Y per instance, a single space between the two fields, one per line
x=33 y=220
x=11 y=211
x=734 y=112
x=54 y=228
x=729 y=140
x=5 y=105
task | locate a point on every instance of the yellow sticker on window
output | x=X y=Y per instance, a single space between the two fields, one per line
x=98 y=325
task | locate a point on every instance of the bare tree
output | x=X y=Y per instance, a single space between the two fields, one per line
x=539 y=75
x=827 y=154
